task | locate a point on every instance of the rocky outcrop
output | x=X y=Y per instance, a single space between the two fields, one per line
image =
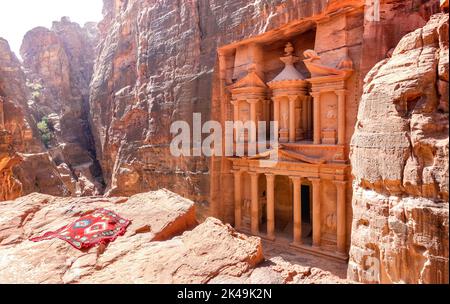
x=10 y=187
x=400 y=200
x=149 y=252
x=163 y=244
x=58 y=63
x=16 y=127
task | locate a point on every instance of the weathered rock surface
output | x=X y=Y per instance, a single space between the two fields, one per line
x=16 y=126
x=163 y=244
x=10 y=187
x=147 y=253
x=58 y=63
x=157 y=65
x=399 y=155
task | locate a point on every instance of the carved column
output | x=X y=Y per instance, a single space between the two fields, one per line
x=316 y=212
x=276 y=116
x=270 y=206
x=317 y=123
x=255 y=203
x=341 y=187
x=292 y=136
x=309 y=116
x=253 y=132
x=341 y=116
x=267 y=117
x=304 y=112
x=235 y=104
x=297 y=182
x=237 y=199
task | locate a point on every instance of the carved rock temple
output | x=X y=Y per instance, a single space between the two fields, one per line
x=296 y=190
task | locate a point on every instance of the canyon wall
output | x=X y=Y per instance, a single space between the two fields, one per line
x=45 y=108
x=158 y=63
x=58 y=63
x=400 y=163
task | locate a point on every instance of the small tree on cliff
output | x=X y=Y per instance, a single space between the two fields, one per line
x=45 y=131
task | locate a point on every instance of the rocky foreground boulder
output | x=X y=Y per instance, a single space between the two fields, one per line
x=399 y=155
x=163 y=244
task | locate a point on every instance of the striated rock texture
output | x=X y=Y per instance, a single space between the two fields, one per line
x=10 y=187
x=158 y=63
x=149 y=252
x=58 y=65
x=16 y=125
x=399 y=155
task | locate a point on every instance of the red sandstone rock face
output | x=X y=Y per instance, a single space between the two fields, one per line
x=400 y=163
x=58 y=65
x=156 y=66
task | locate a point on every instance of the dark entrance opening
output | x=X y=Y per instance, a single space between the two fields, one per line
x=306 y=212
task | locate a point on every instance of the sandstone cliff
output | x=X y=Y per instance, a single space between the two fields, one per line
x=45 y=112
x=400 y=163
x=58 y=63
x=158 y=63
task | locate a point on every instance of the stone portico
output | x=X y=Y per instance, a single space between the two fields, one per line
x=296 y=189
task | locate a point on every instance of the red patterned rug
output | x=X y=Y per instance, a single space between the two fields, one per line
x=99 y=227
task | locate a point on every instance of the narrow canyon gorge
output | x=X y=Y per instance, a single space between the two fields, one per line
x=359 y=189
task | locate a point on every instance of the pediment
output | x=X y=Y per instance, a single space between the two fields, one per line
x=252 y=80
x=281 y=154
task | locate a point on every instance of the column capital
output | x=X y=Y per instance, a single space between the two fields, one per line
x=315 y=180
x=316 y=94
x=341 y=91
x=253 y=100
x=234 y=102
x=340 y=184
x=237 y=172
x=296 y=178
x=292 y=98
x=270 y=176
x=276 y=98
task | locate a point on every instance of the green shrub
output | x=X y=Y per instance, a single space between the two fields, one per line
x=45 y=131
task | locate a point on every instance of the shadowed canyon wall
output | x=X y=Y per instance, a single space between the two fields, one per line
x=45 y=110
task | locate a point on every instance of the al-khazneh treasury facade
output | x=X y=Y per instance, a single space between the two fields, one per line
x=304 y=78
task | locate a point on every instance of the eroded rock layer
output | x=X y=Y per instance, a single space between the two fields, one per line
x=58 y=63
x=44 y=109
x=400 y=163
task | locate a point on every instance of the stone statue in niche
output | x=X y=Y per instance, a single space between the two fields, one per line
x=284 y=131
x=245 y=116
x=331 y=222
x=285 y=118
x=331 y=112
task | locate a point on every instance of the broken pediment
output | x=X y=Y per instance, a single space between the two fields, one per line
x=319 y=70
x=251 y=83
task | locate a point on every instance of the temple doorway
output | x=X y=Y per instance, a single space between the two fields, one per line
x=306 y=213
x=284 y=207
